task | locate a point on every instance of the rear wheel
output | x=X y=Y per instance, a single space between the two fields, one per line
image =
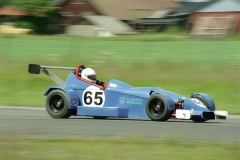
x=57 y=104
x=200 y=98
x=157 y=108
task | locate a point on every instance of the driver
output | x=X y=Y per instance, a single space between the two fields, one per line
x=90 y=75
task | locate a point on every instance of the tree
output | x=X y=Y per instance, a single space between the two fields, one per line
x=41 y=13
x=34 y=7
x=4 y=2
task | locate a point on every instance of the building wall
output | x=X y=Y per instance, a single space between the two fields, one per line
x=72 y=9
x=77 y=7
x=81 y=30
x=193 y=18
x=87 y=30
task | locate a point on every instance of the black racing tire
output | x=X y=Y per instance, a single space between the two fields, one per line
x=203 y=100
x=57 y=104
x=157 y=108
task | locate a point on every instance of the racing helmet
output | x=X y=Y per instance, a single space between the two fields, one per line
x=89 y=74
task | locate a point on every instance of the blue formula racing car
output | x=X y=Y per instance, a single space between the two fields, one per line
x=79 y=97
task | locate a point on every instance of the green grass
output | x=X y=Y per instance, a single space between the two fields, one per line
x=115 y=149
x=175 y=63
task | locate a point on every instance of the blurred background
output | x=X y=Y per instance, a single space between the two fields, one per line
x=183 y=46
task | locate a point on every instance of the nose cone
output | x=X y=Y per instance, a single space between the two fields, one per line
x=194 y=104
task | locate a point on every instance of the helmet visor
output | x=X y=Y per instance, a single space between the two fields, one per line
x=92 y=77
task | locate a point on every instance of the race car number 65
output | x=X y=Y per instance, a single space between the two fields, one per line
x=93 y=96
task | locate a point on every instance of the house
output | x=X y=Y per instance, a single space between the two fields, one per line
x=220 y=17
x=7 y=13
x=156 y=22
x=171 y=16
x=187 y=8
x=21 y=18
x=98 y=25
x=132 y=9
x=71 y=10
x=124 y=10
x=11 y=11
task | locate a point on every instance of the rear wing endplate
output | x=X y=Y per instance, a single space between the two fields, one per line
x=37 y=69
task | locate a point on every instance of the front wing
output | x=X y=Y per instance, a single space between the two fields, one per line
x=189 y=114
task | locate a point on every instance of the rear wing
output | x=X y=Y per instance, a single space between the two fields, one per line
x=37 y=69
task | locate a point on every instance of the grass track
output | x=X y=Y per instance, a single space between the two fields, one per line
x=115 y=149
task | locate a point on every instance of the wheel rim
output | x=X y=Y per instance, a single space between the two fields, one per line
x=56 y=103
x=156 y=107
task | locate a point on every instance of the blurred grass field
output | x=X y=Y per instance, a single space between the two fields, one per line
x=115 y=149
x=178 y=64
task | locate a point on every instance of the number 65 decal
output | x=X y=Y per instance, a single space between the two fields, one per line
x=93 y=96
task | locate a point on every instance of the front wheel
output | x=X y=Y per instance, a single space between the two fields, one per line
x=157 y=108
x=57 y=104
x=200 y=98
